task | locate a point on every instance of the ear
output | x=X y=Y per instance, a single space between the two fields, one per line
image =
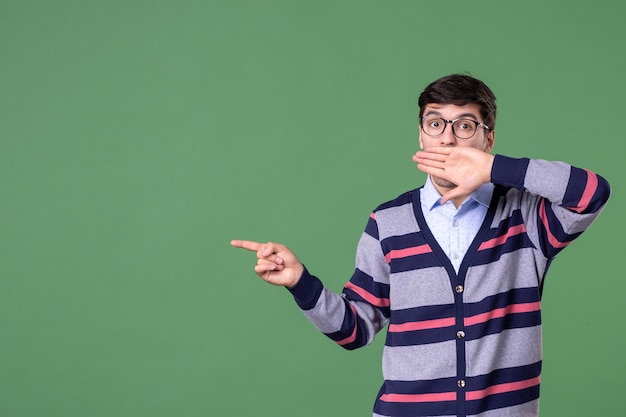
x=490 y=140
x=421 y=142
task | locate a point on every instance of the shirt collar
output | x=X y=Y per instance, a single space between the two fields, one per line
x=432 y=198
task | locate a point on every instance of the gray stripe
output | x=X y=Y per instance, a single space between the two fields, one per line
x=412 y=363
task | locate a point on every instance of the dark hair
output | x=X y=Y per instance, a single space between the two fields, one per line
x=460 y=90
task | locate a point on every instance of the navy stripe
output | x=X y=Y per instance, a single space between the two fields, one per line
x=576 y=187
x=441 y=408
x=367 y=283
x=508 y=399
x=425 y=336
x=420 y=337
x=556 y=229
x=600 y=197
x=509 y=321
x=372 y=228
x=503 y=400
x=498 y=325
x=411 y=263
x=397 y=202
x=515 y=296
x=503 y=376
x=408 y=240
x=578 y=179
x=509 y=171
x=515 y=219
x=511 y=244
x=307 y=291
x=350 y=320
x=422 y=313
x=427 y=386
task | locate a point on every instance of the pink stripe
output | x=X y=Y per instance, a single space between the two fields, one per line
x=544 y=219
x=370 y=298
x=590 y=189
x=501 y=389
x=403 y=253
x=352 y=337
x=496 y=241
x=422 y=325
x=418 y=398
x=501 y=312
x=373 y=216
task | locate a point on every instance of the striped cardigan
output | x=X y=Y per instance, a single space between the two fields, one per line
x=466 y=343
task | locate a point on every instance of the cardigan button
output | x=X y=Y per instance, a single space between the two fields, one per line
x=459 y=289
x=461 y=383
x=460 y=334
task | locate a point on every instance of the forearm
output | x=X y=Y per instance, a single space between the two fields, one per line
x=576 y=189
x=557 y=201
x=332 y=314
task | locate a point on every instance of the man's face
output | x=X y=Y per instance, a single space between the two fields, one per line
x=483 y=139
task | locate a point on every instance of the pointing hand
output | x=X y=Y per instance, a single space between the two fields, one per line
x=276 y=264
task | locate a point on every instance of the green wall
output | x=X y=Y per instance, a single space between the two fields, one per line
x=137 y=138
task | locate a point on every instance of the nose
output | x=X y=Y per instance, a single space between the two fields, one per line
x=447 y=138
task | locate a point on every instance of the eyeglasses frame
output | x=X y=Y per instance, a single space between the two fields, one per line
x=451 y=123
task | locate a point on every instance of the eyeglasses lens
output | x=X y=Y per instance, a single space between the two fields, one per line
x=463 y=129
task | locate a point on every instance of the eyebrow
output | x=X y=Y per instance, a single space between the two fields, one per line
x=460 y=116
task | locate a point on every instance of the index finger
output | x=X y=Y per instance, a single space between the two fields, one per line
x=246 y=244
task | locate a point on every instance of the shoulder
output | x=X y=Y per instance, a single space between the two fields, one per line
x=396 y=217
x=400 y=201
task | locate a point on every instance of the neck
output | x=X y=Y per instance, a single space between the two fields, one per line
x=444 y=188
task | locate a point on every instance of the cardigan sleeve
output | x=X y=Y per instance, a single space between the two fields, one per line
x=353 y=318
x=563 y=200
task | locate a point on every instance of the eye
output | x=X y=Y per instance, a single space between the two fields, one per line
x=434 y=123
x=466 y=125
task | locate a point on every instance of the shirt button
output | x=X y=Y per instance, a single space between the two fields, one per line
x=459 y=289
x=460 y=334
x=461 y=383
x=455 y=223
x=455 y=256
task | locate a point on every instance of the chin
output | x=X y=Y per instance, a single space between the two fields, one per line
x=443 y=183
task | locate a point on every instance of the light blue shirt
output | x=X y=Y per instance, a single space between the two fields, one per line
x=455 y=229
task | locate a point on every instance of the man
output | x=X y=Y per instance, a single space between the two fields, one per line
x=454 y=268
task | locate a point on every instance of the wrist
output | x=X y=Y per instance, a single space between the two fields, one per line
x=488 y=168
x=298 y=271
x=307 y=291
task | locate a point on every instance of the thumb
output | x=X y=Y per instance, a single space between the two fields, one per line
x=452 y=194
x=272 y=248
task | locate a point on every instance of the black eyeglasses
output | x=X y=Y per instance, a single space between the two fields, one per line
x=461 y=128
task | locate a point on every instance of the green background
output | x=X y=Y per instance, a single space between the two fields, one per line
x=137 y=138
